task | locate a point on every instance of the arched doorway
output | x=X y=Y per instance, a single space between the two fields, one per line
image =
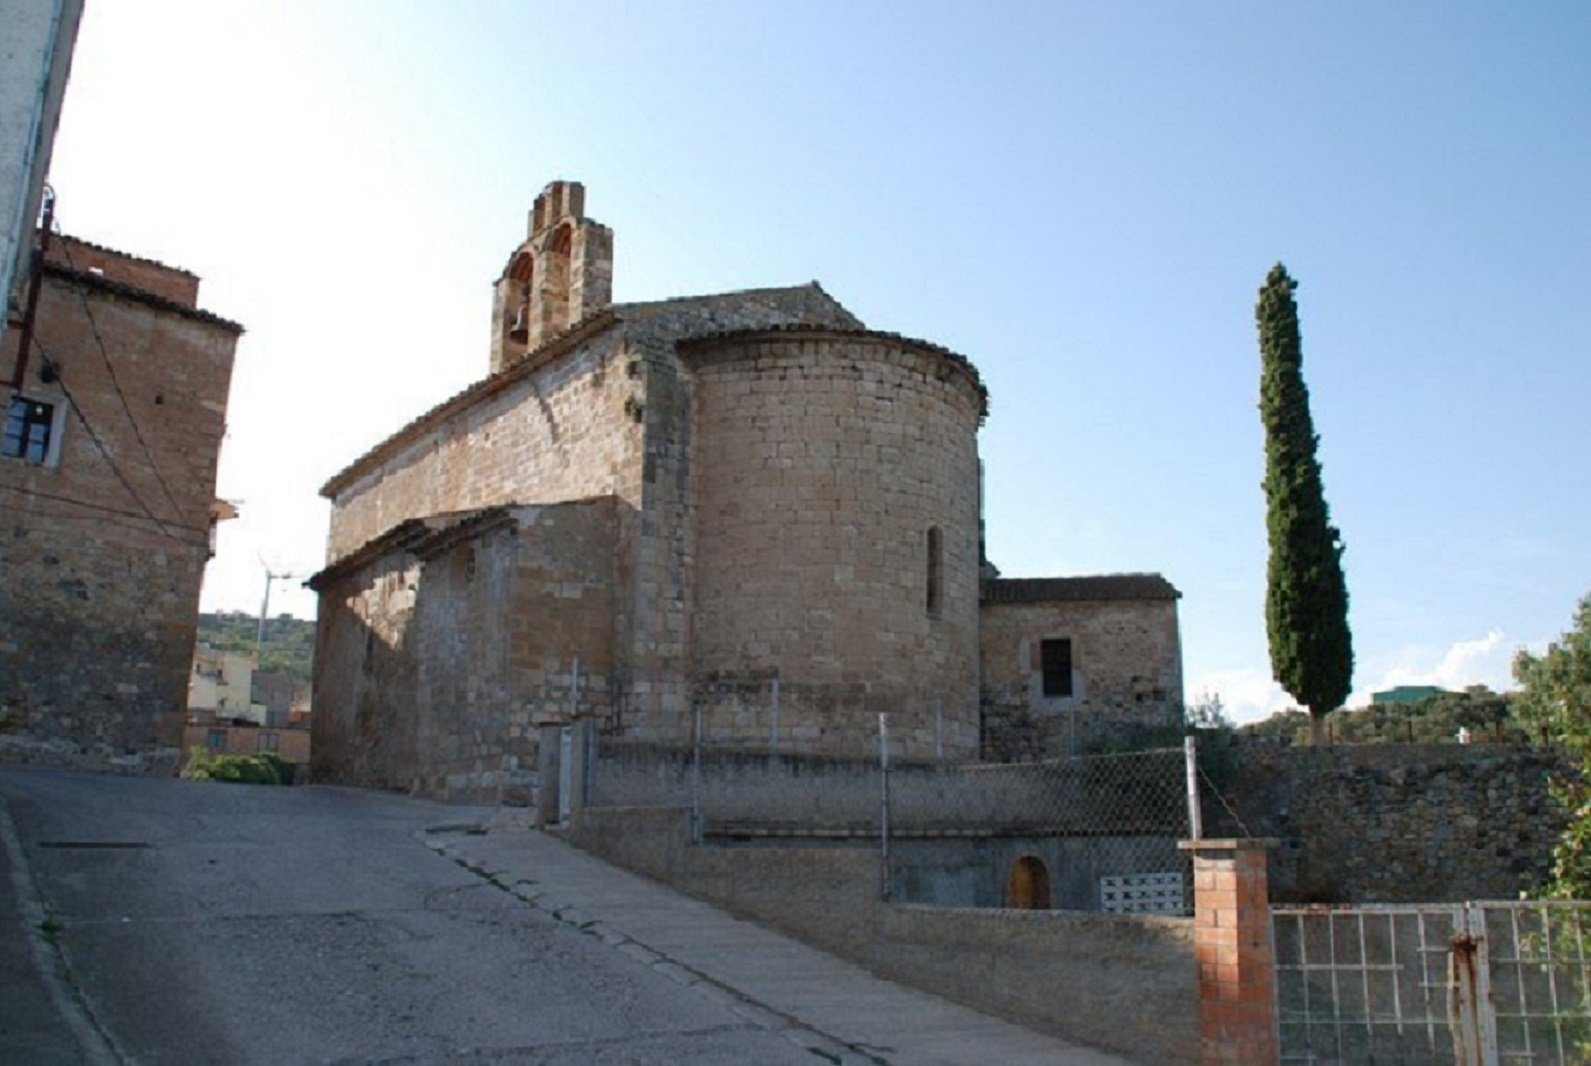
x=1028 y=887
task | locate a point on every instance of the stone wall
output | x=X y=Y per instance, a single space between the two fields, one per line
x=1128 y=984
x=657 y=697
x=563 y=432
x=453 y=645
x=835 y=486
x=1394 y=823
x=604 y=409
x=99 y=600
x=1126 y=670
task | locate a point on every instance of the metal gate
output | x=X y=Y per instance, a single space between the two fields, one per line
x=1476 y=984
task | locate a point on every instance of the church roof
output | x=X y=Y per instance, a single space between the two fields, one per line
x=797 y=329
x=1091 y=588
x=670 y=320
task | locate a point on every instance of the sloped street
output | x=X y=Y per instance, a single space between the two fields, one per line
x=155 y=921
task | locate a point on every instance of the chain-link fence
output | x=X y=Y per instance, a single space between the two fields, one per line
x=1086 y=833
x=1095 y=832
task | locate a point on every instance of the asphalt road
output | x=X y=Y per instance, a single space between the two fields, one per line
x=207 y=923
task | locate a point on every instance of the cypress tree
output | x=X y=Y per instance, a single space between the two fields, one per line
x=1306 y=598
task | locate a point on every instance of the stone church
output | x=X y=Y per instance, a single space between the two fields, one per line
x=747 y=509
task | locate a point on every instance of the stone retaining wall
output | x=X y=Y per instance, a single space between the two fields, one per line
x=1395 y=823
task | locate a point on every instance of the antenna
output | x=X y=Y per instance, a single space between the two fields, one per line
x=265 y=604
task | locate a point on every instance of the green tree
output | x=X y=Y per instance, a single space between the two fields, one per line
x=1306 y=598
x=1555 y=696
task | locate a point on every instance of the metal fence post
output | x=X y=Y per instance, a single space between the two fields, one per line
x=939 y=729
x=773 y=725
x=1484 y=1018
x=883 y=810
x=696 y=774
x=1190 y=751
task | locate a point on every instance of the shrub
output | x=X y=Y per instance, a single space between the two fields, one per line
x=267 y=768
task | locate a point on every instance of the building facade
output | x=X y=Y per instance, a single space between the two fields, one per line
x=115 y=405
x=744 y=513
x=222 y=685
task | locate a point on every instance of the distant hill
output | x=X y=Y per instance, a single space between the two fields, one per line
x=289 y=642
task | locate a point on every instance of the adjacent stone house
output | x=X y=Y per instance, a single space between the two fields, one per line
x=1066 y=659
x=745 y=510
x=115 y=395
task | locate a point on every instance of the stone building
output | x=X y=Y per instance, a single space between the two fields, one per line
x=747 y=507
x=115 y=395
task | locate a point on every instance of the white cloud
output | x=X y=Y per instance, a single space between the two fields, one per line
x=1483 y=660
x=1247 y=694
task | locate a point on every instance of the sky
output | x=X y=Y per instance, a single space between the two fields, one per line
x=1082 y=198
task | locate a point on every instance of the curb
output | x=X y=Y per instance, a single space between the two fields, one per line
x=93 y=1043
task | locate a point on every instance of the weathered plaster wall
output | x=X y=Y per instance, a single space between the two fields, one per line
x=1126 y=669
x=1395 y=823
x=975 y=872
x=98 y=601
x=1124 y=983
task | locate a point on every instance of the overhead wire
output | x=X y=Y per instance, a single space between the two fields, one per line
x=99 y=444
x=104 y=355
x=102 y=509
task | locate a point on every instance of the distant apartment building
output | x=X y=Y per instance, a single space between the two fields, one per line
x=1406 y=694
x=222 y=685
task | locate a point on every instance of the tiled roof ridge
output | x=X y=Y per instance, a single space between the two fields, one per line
x=720 y=336
x=1081 y=587
x=710 y=297
x=129 y=255
x=582 y=330
x=408 y=535
x=133 y=292
x=430 y=535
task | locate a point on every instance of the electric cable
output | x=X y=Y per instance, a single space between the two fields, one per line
x=99 y=444
x=118 y=511
x=116 y=382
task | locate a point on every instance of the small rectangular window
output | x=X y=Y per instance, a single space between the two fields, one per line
x=936 y=571
x=215 y=740
x=267 y=741
x=27 y=430
x=1055 y=660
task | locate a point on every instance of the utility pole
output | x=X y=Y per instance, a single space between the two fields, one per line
x=265 y=604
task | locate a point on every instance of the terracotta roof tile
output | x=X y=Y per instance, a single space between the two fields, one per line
x=127 y=255
x=1082 y=589
x=132 y=292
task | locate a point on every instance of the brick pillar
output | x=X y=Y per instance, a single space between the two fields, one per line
x=1232 y=941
